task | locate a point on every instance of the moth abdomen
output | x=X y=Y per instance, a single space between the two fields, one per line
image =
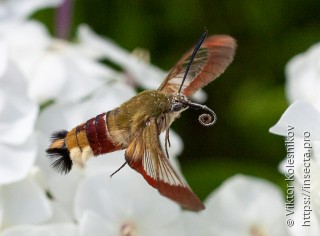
x=97 y=132
x=81 y=143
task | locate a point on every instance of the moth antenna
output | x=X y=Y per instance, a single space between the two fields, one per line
x=195 y=50
x=118 y=169
x=206 y=119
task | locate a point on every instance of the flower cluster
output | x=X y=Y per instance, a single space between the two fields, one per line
x=47 y=84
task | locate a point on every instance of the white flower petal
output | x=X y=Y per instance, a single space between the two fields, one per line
x=16 y=161
x=17 y=119
x=63 y=188
x=175 y=228
x=303 y=77
x=92 y=224
x=16 y=9
x=60 y=214
x=42 y=161
x=303 y=117
x=195 y=224
x=27 y=43
x=3 y=59
x=65 y=74
x=48 y=78
x=84 y=77
x=24 y=203
x=107 y=163
x=106 y=191
x=35 y=230
x=144 y=74
x=176 y=143
x=18 y=113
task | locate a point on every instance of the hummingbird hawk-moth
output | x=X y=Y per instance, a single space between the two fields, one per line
x=137 y=123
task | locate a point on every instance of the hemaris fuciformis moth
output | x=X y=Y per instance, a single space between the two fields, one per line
x=137 y=123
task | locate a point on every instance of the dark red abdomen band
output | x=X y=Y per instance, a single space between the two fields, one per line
x=98 y=136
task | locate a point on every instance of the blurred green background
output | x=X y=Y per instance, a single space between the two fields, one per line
x=248 y=98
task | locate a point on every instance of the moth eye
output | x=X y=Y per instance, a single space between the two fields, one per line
x=177 y=107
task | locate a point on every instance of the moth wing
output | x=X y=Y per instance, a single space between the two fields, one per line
x=145 y=155
x=213 y=57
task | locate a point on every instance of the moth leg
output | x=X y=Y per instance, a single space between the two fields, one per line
x=166 y=142
x=118 y=169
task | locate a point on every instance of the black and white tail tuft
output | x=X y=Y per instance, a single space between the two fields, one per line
x=59 y=153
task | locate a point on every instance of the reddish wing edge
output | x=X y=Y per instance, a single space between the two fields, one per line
x=213 y=57
x=145 y=155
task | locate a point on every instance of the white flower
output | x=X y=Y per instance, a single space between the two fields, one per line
x=17 y=118
x=125 y=205
x=303 y=77
x=241 y=206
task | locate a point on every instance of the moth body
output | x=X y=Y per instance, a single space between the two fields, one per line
x=113 y=130
x=136 y=125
